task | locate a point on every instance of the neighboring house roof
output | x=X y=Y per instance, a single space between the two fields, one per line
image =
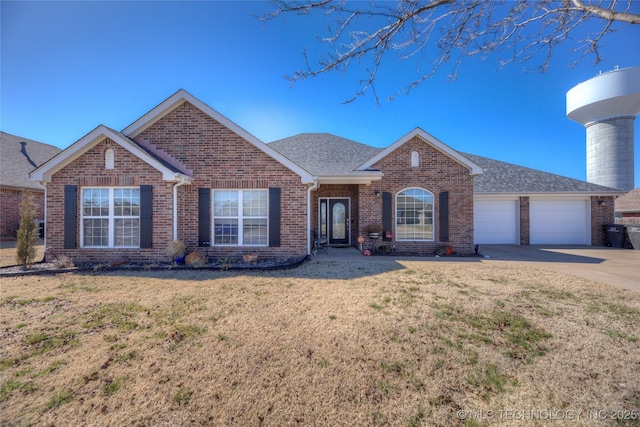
x=629 y=202
x=18 y=157
x=182 y=96
x=170 y=172
x=506 y=178
x=431 y=140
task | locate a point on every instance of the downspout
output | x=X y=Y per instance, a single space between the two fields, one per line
x=44 y=238
x=311 y=188
x=182 y=181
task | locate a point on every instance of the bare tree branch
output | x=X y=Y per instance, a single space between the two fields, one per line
x=435 y=32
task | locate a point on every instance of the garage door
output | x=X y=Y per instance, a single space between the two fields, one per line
x=559 y=222
x=495 y=222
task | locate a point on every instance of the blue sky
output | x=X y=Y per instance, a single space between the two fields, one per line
x=67 y=67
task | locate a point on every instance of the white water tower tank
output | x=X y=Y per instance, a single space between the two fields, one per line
x=607 y=106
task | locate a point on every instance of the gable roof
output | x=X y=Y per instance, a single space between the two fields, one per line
x=333 y=159
x=507 y=178
x=474 y=169
x=18 y=157
x=182 y=96
x=169 y=171
x=324 y=153
x=629 y=202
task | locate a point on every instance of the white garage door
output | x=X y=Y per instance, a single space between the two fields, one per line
x=495 y=222
x=559 y=222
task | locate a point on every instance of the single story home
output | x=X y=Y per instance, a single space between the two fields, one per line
x=185 y=172
x=19 y=156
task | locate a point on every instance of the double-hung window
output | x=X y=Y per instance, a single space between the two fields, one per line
x=414 y=215
x=111 y=217
x=240 y=217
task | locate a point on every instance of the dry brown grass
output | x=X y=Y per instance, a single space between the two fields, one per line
x=8 y=253
x=371 y=342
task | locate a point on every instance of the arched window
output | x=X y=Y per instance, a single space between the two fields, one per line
x=109 y=158
x=415 y=159
x=414 y=214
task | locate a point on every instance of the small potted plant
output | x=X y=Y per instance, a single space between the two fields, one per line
x=374 y=230
x=176 y=251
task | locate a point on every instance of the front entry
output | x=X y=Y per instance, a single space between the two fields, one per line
x=334 y=220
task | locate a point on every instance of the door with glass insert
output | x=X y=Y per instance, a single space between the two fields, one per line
x=338 y=221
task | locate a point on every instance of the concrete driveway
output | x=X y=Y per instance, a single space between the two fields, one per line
x=617 y=267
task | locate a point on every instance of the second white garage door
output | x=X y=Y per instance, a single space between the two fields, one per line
x=559 y=222
x=495 y=222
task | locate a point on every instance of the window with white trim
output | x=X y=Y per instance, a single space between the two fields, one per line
x=414 y=215
x=110 y=217
x=240 y=217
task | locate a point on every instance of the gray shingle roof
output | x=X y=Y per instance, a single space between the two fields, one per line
x=18 y=157
x=501 y=177
x=324 y=153
x=327 y=154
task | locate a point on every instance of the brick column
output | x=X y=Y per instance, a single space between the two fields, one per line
x=525 y=223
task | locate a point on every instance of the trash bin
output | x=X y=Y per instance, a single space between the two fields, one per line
x=633 y=231
x=615 y=235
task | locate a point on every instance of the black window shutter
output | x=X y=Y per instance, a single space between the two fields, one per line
x=274 y=217
x=444 y=216
x=70 y=216
x=386 y=212
x=204 y=220
x=146 y=216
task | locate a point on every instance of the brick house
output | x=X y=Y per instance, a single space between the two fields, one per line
x=418 y=190
x=19 y=156
x=185 y=172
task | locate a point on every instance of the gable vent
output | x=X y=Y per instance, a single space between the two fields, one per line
x=109 y=159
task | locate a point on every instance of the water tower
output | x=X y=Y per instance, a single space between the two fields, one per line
x=607 y=106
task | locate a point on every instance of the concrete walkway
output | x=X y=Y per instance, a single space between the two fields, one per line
x=616 y=267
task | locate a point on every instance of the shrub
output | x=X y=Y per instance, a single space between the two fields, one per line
x=64 y=262
x=28 y=231
x=175 y=248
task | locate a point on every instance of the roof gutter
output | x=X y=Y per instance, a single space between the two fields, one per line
x=551 y=194
x=355 y=178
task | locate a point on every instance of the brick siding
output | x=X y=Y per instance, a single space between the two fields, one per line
x=219 y=159
x=437 y=173
x=10 y=200
x=525 y=222
x=601 y=215
x=89 y=170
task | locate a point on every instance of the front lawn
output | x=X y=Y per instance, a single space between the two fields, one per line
x=358 y=342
